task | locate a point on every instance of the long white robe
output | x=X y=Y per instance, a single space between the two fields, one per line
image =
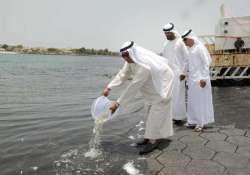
x=200 y=105
x=159 y=119
x=177 y=54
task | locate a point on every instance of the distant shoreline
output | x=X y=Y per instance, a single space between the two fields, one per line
x=7 y=52
x=20 y=49
x=17 y=53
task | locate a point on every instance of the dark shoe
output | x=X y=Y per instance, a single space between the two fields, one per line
x=163 y=143
x=178 y=122
x=143 y=142
x=149 y=148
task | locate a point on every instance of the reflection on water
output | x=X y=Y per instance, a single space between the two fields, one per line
x=45 y=122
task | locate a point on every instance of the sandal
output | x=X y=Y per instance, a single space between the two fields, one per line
x=198 y=129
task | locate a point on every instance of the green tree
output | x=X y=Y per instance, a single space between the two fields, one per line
x=82 y=50
x=19 y=46
x=5 y=46
x=52 y=49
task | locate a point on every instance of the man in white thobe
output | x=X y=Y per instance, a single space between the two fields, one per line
x=153 y=78
x=176 y=54
x=200 y=105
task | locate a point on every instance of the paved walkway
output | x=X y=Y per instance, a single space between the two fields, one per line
x=216 y=151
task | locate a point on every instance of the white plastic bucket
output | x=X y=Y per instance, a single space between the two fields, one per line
x=100 y=108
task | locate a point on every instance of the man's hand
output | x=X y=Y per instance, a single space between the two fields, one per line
x=114 y=106
x=106 y=92
x=182 y=77
x=202 y=83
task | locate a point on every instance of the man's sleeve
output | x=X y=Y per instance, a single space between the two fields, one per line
x=121 y=77
x=205 y=64
x=184 y=57
x=133 y=87
x=164 y=54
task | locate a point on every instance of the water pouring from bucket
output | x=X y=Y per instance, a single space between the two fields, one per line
x=101 y=113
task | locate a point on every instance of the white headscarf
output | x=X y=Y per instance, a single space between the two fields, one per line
x=169 y=44
x=171 y=28
x=190 y=34
x=162 y=75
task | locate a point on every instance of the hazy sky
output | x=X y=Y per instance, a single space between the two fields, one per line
x=107 y=23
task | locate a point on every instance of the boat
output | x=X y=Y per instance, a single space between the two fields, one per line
x=229 y=48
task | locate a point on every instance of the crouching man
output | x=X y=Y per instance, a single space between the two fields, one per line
x=154 y=79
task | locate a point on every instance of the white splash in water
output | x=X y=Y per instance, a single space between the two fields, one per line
x=133 y=144
x=58 y=164
x=141 y=158
x=130 y=169
x=94 y=143
x=93 y=153
x=70 y=153
x=131 y=137
x=141 y=129
x=35 y=168
x=139 y=124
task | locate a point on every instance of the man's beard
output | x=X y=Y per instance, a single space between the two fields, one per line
x=170 y=38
